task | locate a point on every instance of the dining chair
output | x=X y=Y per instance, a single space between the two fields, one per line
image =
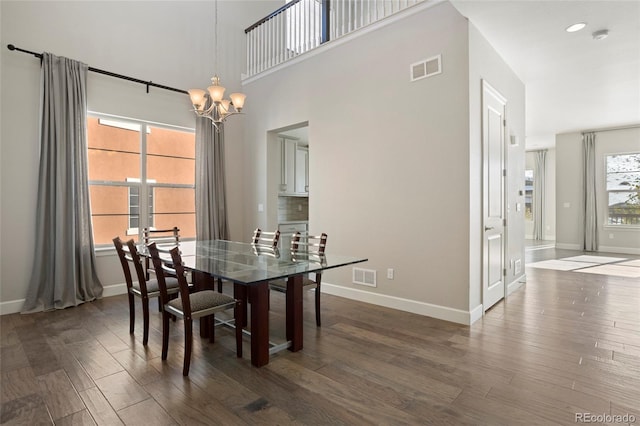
x=144 y=288
x=312 y=248
x=162 y=237
x=190 y=306
x=265 y=241
x=261 y=240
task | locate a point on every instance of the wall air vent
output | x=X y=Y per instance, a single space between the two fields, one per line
x=426 y=68
x=364 y=277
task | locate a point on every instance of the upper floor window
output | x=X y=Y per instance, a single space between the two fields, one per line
x=140 y=175
x=623 y=189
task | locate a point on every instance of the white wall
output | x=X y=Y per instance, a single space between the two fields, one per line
x=486 y=64
x=169 y=43
x=569 y=197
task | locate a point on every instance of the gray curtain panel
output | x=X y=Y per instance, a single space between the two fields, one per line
x=590 y=203
x=211 y=198
x=64 y=271
x=539 y=185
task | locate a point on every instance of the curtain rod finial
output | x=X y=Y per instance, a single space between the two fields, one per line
x=11 y=47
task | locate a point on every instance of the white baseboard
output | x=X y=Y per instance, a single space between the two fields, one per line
x=15 y=306
x=566 y=246
x=516 y=284
x=604 y=249
x=421 y=308
x=476 y=313
x=11 y=307
x=622 y=250
x=114 y=290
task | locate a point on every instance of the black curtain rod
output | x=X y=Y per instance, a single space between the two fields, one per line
x=109 y=73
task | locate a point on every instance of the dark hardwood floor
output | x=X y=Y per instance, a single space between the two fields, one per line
x=565 y=343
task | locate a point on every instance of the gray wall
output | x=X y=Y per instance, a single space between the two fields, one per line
x=569 y=197
x=170 y=43
x=393 y=173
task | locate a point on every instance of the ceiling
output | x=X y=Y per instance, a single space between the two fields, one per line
x=572 y=81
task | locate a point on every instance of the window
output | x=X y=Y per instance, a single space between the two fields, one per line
x=528 y=194
x=140 y=174
x=623 y=189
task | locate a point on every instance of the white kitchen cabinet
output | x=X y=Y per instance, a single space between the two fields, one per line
x=294 y=161
x=302 y=170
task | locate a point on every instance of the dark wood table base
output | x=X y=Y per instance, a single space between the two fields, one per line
x=257 y=295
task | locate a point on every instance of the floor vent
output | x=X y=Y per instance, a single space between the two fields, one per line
x=426 y=68
x=364 y=277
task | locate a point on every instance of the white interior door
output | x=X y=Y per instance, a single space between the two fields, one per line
x=493 y=140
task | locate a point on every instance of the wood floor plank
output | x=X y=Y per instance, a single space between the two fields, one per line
x=18 y=384
x=99 y=408
x=147 y=412
x=121 y=390
x=59 y=394
x=81 y=418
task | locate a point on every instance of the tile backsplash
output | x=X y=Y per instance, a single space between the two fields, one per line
x=293 y=208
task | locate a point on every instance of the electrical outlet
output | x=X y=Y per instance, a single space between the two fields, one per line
x=390 y=273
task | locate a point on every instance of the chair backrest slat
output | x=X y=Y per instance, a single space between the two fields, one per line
x=266 y=238
x=311 y=244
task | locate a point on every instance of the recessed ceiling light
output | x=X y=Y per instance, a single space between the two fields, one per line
x=575 y=27
x=600 y=35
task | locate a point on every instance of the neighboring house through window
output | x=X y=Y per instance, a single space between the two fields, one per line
x=134 y=207
x=140 y=175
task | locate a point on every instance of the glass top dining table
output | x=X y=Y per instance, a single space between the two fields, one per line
x=248 y=264
x=250 y=268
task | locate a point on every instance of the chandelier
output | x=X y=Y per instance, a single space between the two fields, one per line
x=210 y=103
x=219 y=108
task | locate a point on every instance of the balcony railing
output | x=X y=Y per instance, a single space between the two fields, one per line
x=302 y=25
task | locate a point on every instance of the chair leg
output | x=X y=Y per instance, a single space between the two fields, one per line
x=188 y=343
x=240 y=293
x=238 y=316
x=165 y=334
x=318 y=305
x=132 y=313
x=212 y=328
x=145 y=318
